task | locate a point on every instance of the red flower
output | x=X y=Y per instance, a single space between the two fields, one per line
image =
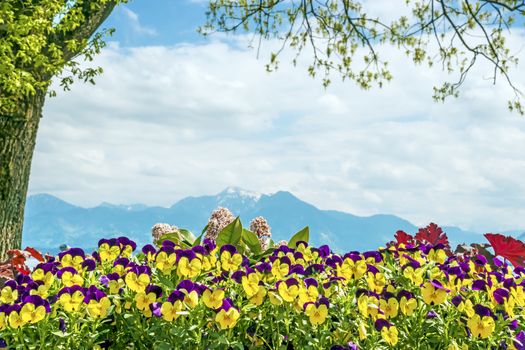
x=508 y=247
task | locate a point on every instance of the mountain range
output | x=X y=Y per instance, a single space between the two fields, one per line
x=51 y=222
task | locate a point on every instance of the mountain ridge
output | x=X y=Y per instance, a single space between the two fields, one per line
x=51 y=221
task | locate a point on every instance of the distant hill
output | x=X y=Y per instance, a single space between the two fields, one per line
x=50 y=221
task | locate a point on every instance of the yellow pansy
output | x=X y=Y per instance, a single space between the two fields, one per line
x=316 y=314
x=214 y=299
x=390 y=335
x=107 y=252
x=433 y=295
x=351 y=270
x=71 y=302
x=250 y=284
x=481 y=326
x=279 y=270
x=170 y=311
x=165 y=263
x=8 y=295
x=390 y=307
x=437 y=255
x=407 y=306
x=188 y=268
x=32 y=314
x=143 y=300
x=288 y=293
x=230 y=262
x=98 y=309
x=227 y=318
x=137 y=283
x=15 y=320
x=70 y=279
x=258 y=298
x=309 y=294
x=414 y=275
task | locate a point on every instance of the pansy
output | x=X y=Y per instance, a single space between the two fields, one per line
x=415 y=275
x=9 y=293
x=316 y=312
x=189 y=265
x=191 y=292
x=171 y=310
x=258 y=298
x=227 y=315
x=120 y=265
x=14 y=317
x=389 y=307
x=138 y=278
x=127 y=246
x=309 y=292
x=45 y=272
x=70 y=277
x=34 y=309
x=230 y=259
x=149 y=251
x=376 y=281
x=165 y=262
x=434 y=293
x=389 y=332
x=351 y=269
x=481 y=326
x=97 y=303
x=108 y=249
x=213 y=299
x=149 y=296
x=73 y=257
x=250 y=284
x=368 y=306
x=71 y=298
x=437 y=255
x=280 y=268
x=289 y=289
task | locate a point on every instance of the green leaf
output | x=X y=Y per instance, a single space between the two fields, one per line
x=175 y=237
x=198 y=240
x=303 y=235
x=187 y=235
x=231 y=234
x=166 y=281
x=251 y=240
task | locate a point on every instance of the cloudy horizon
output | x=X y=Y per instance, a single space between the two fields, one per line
x=169 y=120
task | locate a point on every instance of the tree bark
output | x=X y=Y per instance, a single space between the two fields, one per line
x=17 y=143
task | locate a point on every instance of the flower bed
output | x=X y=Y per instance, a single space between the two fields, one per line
x=414 y=294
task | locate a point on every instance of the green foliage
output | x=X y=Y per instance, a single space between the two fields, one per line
x=231 y=234
x=341 y=36
x=43 y=39
x=250 y=239
x=303 y=235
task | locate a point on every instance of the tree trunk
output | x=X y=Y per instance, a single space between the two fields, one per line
x=17 y=143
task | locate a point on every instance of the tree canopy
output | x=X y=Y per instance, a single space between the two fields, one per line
x=40 y=39
x=343 y=38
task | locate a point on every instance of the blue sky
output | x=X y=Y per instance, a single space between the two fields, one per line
x=176 y=115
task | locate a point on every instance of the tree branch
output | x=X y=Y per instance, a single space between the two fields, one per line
x=93 y=20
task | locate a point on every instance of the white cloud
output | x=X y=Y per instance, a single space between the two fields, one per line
x=135 y=22
x=168 y=122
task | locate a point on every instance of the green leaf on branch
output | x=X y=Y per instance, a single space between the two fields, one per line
x=303 y=235
x=231 y=234
x=251 y=240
